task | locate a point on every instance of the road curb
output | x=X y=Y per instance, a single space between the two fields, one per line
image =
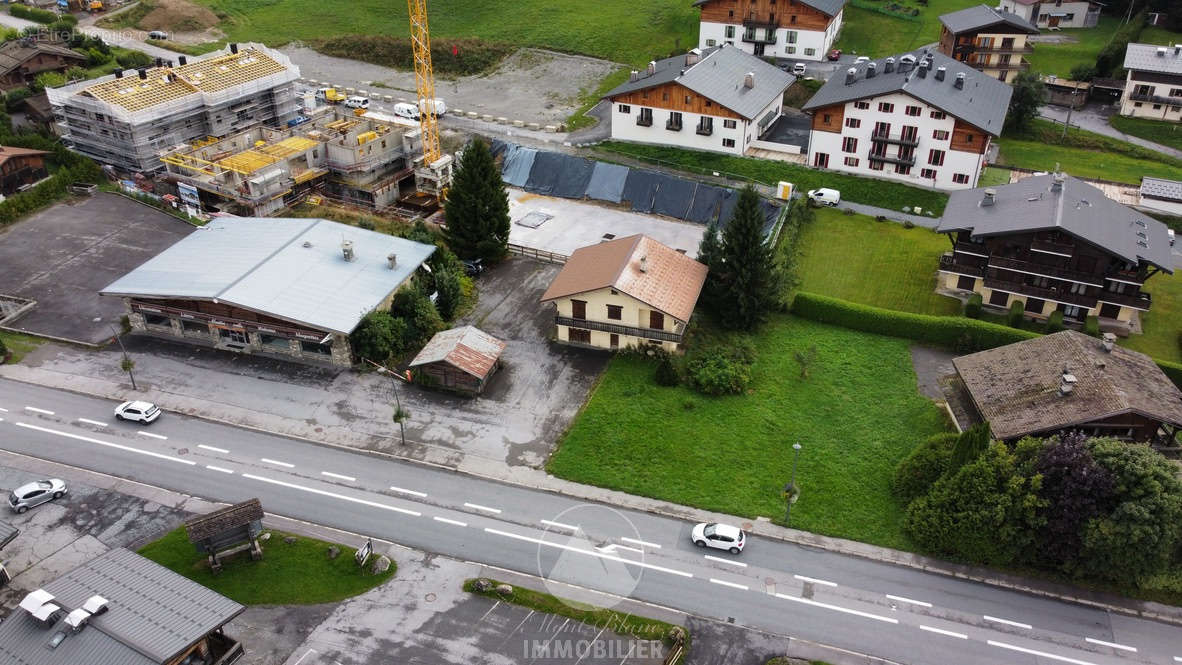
x=554 y=485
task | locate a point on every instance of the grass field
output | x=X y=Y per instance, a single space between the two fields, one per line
x=1058 y=59
x=1081 y=163
x=856 y=416
x=1158 y=35
x=619 y=30
x=993 y=176
x=1163 y=322
x=297 y=574
x=1165 y=133
x=867 y=32
x=880 y=193
x=883 y=264
x=19 y=344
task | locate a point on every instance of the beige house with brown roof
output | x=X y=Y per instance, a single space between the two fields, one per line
x=1070 y=381
x=630 y=291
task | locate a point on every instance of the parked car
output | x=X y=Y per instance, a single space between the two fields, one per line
x=825 y=196
x=835 y=54
x=437 y=108
x=408 y=111
x=298 y=120
x=719 y=536
x=158 y=34
x=1171 y=234
x=143 y=412
x=799 y=69
x=473 y=267
x=35 y=493
x=357 y=102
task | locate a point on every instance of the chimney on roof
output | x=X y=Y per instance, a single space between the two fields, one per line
x=1057 y=181
x=644 y=263
x=182 y=60
x=990 y=197
x=889 y=66
x=1161 y=51
x=1177 y=49
x=1067 y=382
x=693 y=57
x=634 y=75
x=119 y=73
x=233 y=47
x=347 y=249
x=922 y=72
x=851 y=75
x=1106 y=341
x=652 y=67
x=749 y=80
x=143 y=74
x=959 y=82
x=159 y=62
x=940 y=72
x=392 y=261
x=871 y=70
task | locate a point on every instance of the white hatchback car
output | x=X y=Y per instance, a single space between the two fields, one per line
x=35 y=493
x=719 y=536
x=144 y=412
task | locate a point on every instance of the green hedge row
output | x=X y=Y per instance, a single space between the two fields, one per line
x=957 y=333
x=1172 y=370
x=32 y=14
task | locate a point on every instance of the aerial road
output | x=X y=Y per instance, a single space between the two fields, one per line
x=898 y=613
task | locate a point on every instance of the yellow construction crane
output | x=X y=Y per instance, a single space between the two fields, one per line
x=434 y=173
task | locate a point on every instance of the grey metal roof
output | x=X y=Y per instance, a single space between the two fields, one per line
x=829 y=7
x=719 y=76
x=1031 y=204
x=983 y=16
x=292 y=269
x=7 y=533
x=1159 y=188
x=153 y=615
x=1144 y=58
x=982 y=102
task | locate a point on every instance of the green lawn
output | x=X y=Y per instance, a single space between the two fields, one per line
x=1109 y=160
x=297 y=574
x=1162 y=324
x=619 y=30
x=993 y=176
x=883 y=264
x=19 y=344
x=1058 y=59
x=1165 y=133
x=867 y=32
x=881 y=193
x=1158 y=35
x=856 y=416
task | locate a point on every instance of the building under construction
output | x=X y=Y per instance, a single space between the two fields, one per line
x=130 y=118
x=355 y=159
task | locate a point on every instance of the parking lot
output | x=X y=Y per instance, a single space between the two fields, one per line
x=62 y=256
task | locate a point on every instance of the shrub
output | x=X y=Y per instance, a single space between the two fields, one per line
x=1092 y=326
x=666 y=374
x=908 y=224
x=378 y=336
x=14 y=97
x=721 y=369
x=972 y=308
x=447 y=286
x=33 y=14
x=916 y=474
x=422 y=319
x=133 y=59
x=1055 y=322
x=951 y=332
x=1172 y=370
x=3 y=352
x=1014 y=317
x=459 y=57
x=969 y=446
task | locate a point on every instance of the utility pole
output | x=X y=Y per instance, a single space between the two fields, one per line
x=400 y=416
x=126 y=364
x=1070 y=108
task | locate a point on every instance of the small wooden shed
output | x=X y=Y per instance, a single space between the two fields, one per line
x=228 y=531
x=462 y=360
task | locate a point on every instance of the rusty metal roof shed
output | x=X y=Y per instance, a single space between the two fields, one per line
x=466 y=348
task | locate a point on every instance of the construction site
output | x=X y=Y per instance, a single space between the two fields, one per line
x=127 y=119
x=363 y=161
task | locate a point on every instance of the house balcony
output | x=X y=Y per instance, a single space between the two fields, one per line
x=1058 y=295
x=1032 y=268
x=1139 y=300
x=769 y=37
x=1051 y=247
x=975 y=249
x=1002 y=50
x=1155 y=99
x=897 y=139
x=1003 y=66
x=704 y=130
x=673 y=125
x=644 y=121
x=751 y=23
x=632 y=331
x=905 y=161
x=962 y=265
x=223 y=649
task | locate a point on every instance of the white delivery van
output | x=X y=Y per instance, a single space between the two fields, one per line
x=357 y=102
x=825 y=197
x=436 y=108
x=408 y=111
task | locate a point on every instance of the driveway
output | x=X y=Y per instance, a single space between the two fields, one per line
x=1094 y=118
x=61 y=257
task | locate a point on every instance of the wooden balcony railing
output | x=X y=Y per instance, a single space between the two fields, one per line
x=633 y=331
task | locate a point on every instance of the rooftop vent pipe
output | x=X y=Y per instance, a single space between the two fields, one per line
x=183 y=60
x=143 y=74
x=634 y=75
x=652 y=67
x=871 y=70
x=392 y=261
x=959 y=82
x=851 y=75
x=119 y=73
x=1067 y=383
x=233 y=47
x=1161 y=51
x=1106 y=341
x=990 y=197
x=940 y=72
x=347 y=249
x=889 y=66
x=1057 y=182
x=159 y=62
x=644 y=264
x=749 y=80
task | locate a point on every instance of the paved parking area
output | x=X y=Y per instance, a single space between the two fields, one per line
x=62 y=256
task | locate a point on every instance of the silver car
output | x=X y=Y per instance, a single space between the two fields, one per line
x=35 y=494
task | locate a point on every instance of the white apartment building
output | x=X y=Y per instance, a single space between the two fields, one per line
x=719 y=99
x=1153 y=85
x=796 y=29
x=919 y=118
x=1055 y=13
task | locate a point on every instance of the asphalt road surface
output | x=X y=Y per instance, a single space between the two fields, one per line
x=893 y=612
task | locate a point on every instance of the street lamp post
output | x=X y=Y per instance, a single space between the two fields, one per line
x=790 y=488
x=399 y=414
x=127 y=364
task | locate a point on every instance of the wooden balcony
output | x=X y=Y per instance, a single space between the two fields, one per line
x=905 y=161
x=962 y=265
x=1155 y=99
x=1053 y=272
x=974 y=248
x=1062 y=248
x=1058 y=295
x=769 y=37
x=633 y=331
x=897 y=139
x=752 y=23
x=1139 y=300
x=1001 y=50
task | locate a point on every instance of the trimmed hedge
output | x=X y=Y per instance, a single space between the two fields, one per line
x=1172 y=370
x=959 y=334
x=972 y=308
x=1015 y=315
x=1055 y=322
x=33 y=14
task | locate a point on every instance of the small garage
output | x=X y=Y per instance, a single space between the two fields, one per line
x=461 y=360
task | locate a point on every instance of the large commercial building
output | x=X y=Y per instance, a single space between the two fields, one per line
x=718 y=99
x=129 y=118
x=1153 y=85
x=920 y=118
x=288 y=288
x=796 y=29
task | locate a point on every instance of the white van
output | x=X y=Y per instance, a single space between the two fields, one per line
x=408 y=111
x=825 y=197
x=437 y=108
x=357 y=102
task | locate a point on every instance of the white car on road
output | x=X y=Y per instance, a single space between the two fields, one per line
x=35 y=494
x=144 y=412
x=719 y=536
x=825 y=196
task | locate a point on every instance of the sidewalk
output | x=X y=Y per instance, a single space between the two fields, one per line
x=1093 y=121
x=213 y=398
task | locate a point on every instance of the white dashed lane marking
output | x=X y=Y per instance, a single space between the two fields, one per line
x=342 y=497
x=88 y=421
x=152 y=436
x=1043 y=654
x=277 y=463
x=476 y=506
x=560 y=525
x=579 y=550
x=814 y=580
x=107 y=444
x=726 y=561
x=909 y=601
x=1114 y=645
x=644 y=543
x=216 y=450
x=1016 y=624
x=218 y=468
x=447 y=521
x=730 y=584
x=36 y=410
x=939 y=631
x=338 y=476
x=410 y=492
x=838 y=608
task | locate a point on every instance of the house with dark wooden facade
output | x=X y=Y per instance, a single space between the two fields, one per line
x=796 y=29
x=1053 y=242
x=1070 y=381
x=461 y=360
x=20 y=168
x=21 y=60
x=989 y=39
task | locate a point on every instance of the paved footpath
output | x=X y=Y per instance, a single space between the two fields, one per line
x=1094 y=121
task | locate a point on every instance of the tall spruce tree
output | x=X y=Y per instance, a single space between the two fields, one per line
x=749 y=281
x=477 y=207
x=710 y=254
